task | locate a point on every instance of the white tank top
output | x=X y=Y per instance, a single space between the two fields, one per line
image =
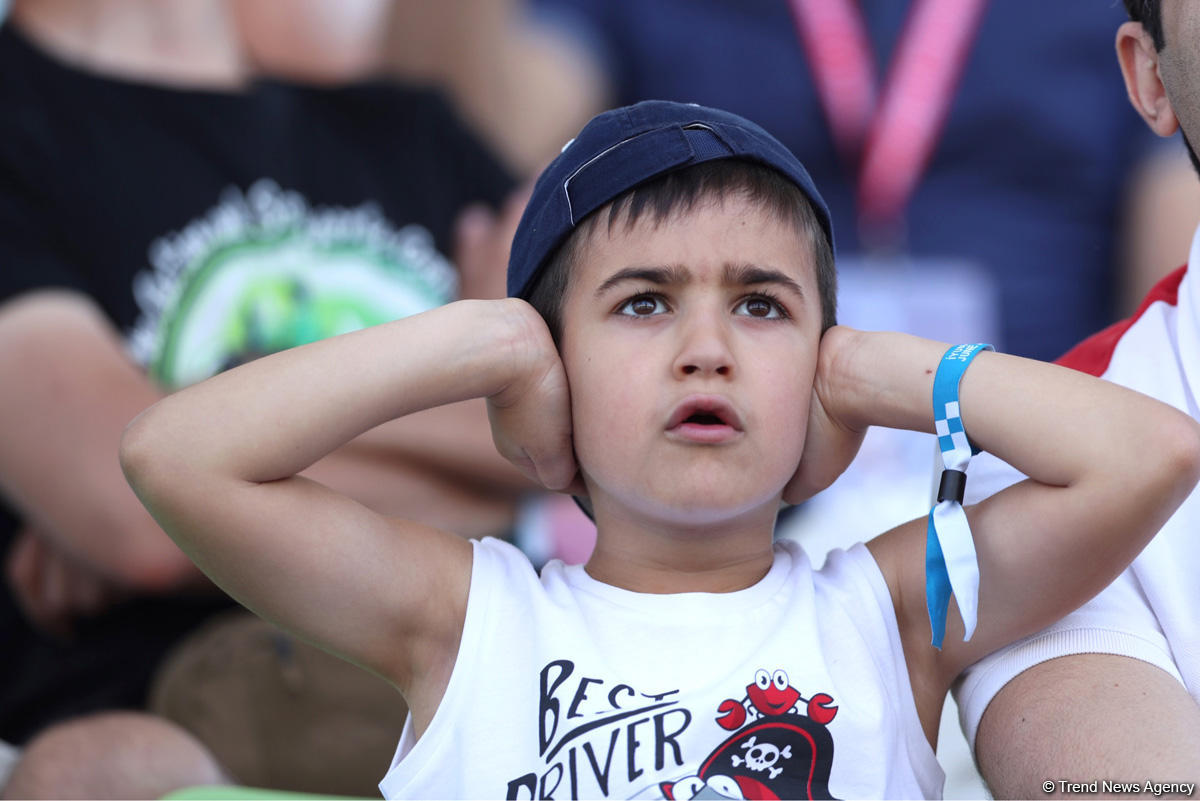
x=565 y=687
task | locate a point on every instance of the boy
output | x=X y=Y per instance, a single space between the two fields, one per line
x=682 y=261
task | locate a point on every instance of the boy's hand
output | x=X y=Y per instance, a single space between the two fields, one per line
x=531 y=416
x=830 y=443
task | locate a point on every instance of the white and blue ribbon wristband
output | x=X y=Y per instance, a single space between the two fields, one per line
x=950 y=561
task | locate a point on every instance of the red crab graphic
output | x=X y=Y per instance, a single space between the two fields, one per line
x=770 y=694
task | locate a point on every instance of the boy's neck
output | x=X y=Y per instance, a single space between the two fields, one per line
x=643 y=556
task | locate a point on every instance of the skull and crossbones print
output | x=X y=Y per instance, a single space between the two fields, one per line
x=762 y=756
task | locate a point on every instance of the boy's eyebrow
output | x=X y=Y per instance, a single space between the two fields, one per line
x=747 y=274
x=661 y=276
x=733 y=275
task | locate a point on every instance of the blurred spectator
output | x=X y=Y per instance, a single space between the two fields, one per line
x=167 y=212
x=519 y=82
x=522 y=82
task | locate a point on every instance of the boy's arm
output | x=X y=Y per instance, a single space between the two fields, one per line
x=1107 y=467
x=217 y=465
x=69 y=389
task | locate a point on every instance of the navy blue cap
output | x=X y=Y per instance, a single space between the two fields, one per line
x=622 y=148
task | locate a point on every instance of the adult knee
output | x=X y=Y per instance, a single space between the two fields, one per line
x=112 y=755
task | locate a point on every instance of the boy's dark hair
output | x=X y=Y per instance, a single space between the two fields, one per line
x=680 y=191
x=1149 y=14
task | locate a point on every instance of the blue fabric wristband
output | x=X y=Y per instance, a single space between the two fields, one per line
x=951 y=565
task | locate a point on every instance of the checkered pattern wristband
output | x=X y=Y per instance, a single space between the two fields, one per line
x=950 y=561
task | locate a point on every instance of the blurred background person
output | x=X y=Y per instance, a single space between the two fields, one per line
x=1043 y=706
x=517 y=80
x=521 y=81
x=186 y=185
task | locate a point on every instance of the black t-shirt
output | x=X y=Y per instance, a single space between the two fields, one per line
x=211 y=227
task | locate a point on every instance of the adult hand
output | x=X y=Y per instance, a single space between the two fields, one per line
x=483 y=239
x=52 y=587
x=531 y=416
x=830 y=444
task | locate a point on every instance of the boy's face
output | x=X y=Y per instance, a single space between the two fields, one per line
x=690 y=347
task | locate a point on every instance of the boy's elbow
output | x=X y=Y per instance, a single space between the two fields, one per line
x=144 y=454
x=150 y=561
x=136 y=452
x=1189 y=456
x=1177 y=452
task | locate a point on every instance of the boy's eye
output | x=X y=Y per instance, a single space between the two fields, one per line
x=759 y=306
x=642 y=306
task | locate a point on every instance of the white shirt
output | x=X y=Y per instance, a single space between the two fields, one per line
x=568 y=687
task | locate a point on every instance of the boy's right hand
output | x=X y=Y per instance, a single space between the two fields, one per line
x=531 y=415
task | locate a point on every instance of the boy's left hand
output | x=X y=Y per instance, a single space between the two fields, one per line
x=830 y=444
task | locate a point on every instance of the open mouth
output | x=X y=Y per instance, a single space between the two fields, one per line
x=705 y=418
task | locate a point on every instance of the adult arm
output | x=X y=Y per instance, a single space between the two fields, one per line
x=522 y=83
x=454 y=441
x=1107 y=466
x=1057 y=720
x=69 y=390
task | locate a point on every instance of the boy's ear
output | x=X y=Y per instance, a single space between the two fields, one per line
x=1139 y=62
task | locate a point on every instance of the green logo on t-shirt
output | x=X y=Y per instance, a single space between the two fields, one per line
x=262 y=272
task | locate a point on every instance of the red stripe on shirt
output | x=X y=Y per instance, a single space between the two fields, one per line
x=1093 y=354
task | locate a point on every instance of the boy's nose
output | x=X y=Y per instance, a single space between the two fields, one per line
x=704 y=348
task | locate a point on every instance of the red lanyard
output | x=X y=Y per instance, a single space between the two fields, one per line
x=891 y=137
